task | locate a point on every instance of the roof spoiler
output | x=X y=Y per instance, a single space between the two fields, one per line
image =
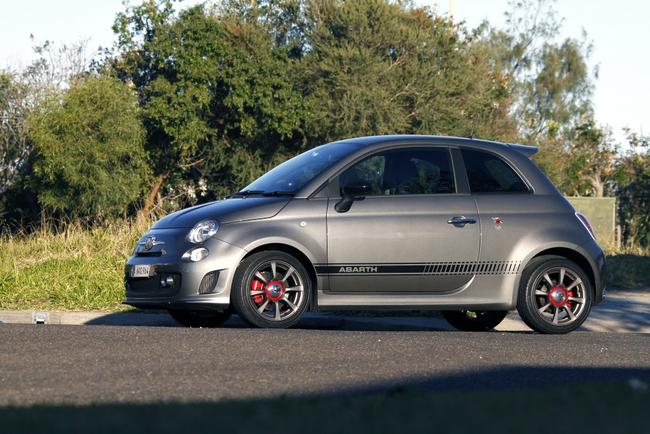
x=528 y=151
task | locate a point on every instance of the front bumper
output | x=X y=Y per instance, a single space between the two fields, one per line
x=178 y=284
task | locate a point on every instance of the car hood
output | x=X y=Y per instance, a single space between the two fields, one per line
x=224 y=211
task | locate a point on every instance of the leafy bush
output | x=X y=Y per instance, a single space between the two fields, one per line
x=89 y=160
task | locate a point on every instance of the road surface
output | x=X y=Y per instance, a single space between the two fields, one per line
x=56 y=364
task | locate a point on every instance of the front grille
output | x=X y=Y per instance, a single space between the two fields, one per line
x=209 y=282
x=151 y=286
x=149 y=254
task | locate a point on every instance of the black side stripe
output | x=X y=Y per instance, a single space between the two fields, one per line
x=428 y=268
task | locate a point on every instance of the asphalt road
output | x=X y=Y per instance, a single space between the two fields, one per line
x=58 y=364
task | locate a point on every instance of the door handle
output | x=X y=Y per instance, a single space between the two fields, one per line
x=461 y=221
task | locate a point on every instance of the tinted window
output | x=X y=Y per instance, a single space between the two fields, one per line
x=488 y=173
x=404 y=171
x=295 y=173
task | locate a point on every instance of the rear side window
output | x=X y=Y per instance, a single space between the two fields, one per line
x=404 y=171
x=488 y=173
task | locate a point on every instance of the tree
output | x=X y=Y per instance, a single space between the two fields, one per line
x=632 y=180
x=88 y=158
x=592 y=159
x=218 y=101
x=551 y=81
x=376 y=67
x=56 y=67
x=14 y=142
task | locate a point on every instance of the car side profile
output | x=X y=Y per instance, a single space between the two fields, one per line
x=468 y=227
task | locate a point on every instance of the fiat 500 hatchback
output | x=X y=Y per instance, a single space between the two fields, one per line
x=468 y=227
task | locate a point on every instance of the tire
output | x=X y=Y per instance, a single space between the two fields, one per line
x=474 y=321
x=271 y=289
x=555 y=295
x=204 y=318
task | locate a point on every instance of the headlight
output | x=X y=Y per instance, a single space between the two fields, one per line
x=202 y=231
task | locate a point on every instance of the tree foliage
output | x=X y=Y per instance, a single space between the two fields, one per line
x=218 y=100
x=14 y=143
x=194 y=103
x=229 y=91
x=88 y=159
x=379 y=68
x=549 y=78
x=632 y=187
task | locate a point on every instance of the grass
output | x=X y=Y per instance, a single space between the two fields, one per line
x=80 y=269
x=72 y=269
x=606 y=407
x=629 y=270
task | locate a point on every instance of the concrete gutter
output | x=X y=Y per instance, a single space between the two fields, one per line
x=621 y=312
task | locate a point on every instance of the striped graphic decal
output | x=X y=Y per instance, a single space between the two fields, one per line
x=428 y=269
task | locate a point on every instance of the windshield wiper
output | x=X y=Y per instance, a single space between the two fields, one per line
x=278 y=193
x=245 y=193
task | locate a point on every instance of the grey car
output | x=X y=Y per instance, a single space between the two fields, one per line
x=468 y=227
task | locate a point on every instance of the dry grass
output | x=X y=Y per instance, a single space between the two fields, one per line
x=71 y=269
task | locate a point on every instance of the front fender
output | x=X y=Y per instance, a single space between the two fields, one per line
x=301 y=225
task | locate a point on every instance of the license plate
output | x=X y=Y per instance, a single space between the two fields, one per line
x=140 y=270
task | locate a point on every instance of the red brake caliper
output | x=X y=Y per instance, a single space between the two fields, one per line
x=256 y=285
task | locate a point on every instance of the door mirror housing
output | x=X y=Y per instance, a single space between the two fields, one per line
x=352 y=191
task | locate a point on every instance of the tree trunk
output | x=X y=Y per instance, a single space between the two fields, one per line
x=598 y=186
x=151 y=197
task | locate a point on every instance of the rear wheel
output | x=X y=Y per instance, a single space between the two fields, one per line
x=555 y=295
x=474 y=321
x=271 y=289
x=190 y=318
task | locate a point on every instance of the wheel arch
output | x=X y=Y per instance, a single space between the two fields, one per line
x=295 y=252
x=572 y=253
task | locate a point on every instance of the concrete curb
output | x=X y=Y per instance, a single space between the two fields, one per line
x=87 y=318
x=621 y=312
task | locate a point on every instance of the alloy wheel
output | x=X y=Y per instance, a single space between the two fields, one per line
x=277 y=290
x=559 y=296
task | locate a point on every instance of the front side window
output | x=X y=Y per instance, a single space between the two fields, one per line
x=404 y=171
x=488 y=173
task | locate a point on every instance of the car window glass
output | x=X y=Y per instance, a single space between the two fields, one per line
x=403 y=171
x=488 y=173
x=295 y=173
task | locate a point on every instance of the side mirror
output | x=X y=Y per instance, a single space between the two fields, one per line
x=352 y=191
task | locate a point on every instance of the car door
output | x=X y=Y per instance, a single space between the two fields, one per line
x=506 y=206
x=413 y=232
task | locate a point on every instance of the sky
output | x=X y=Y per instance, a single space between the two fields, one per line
x=619 y=31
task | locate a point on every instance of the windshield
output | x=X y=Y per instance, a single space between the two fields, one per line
x=293 y=174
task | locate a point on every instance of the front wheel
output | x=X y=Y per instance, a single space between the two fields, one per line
x=206 y=318
x=555 y=295
x=474 y=321
x=271 y=289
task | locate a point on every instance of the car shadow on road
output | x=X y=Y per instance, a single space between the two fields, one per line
x=622 y=311
x=511 y=399
x=311 y=321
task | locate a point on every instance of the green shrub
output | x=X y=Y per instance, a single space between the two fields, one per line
x=89 y=160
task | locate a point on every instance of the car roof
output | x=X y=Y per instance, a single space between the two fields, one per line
x=369 y=141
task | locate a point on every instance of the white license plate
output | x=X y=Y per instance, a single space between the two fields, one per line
x=140 y=270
